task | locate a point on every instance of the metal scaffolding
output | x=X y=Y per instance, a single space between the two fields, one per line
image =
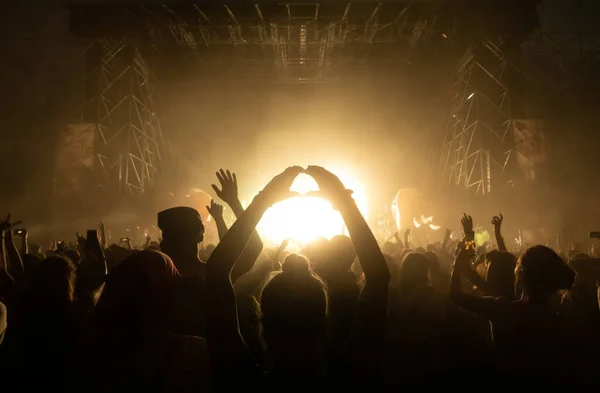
x=299 y=41
x=290 y=42
x=120 y=100
x=479 y=142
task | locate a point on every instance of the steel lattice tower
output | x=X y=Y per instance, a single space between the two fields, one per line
x=120 y=100
x=286 y=42
x=479 y=143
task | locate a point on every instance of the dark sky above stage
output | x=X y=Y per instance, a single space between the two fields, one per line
x=556 y=15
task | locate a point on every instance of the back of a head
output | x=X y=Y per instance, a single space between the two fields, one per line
x=389 y=248
x=30 y=263
x=137 y=289
x=180 y=225
x=342 y=252
x=54 y=280
x=317 y=250
x=414 y=270
x=293 y=306
x=72 y=255
x=434 y=261
x=542 y=272
x=500 y=274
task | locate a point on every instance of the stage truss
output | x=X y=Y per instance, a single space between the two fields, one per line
x=301 y=42
x=120 y=100
x=479 y=142
x=291 y=42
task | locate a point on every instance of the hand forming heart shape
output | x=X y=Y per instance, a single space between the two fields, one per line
x=330 y=186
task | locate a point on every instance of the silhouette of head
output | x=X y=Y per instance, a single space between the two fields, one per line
x=293 y=307
x=342 y=252
x=389 y=248
x=500 y=274
x=541 y=272
x=181 y=228
x=54 y=280
x=72 y=255
x=138 y=289
x=30 y=263
x=414 y=271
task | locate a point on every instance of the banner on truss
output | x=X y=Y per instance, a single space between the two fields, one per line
x=75 y=157
x=530 y=145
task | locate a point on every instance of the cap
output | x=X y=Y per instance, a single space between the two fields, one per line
x=180 y=219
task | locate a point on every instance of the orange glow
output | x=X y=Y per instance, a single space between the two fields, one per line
x=306 y=218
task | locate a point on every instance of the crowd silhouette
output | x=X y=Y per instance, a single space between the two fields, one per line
x=345 y=314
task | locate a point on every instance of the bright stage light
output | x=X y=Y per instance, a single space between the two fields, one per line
x=306 y=218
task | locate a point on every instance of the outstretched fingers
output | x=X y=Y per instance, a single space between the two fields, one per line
x=221 y=176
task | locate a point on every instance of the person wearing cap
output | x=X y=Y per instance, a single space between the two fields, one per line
x=182 y=232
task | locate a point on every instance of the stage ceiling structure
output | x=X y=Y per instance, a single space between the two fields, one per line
x=129 y=46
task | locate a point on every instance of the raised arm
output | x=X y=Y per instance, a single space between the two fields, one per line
x=92 y=270
x=470 y=303
x=7 y=283
x=229 y=194
x=407 y=245
x=216 y=212
x=369 y=326
x=464 y=253
x=226 y=346
x=447 y=236
x=497 y=223
x=14 y=264
x=102 y=229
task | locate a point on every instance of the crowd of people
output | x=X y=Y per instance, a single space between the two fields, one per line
x=346 y=314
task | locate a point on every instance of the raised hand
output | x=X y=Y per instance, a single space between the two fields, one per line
x=6 y=225
x=497 y=222
x=229 y=188
x=330 y=186
x=278 y=188
x=467 y=224
x=81 y=241
x=463 y=256
x=102 y=228
x=215 y=210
